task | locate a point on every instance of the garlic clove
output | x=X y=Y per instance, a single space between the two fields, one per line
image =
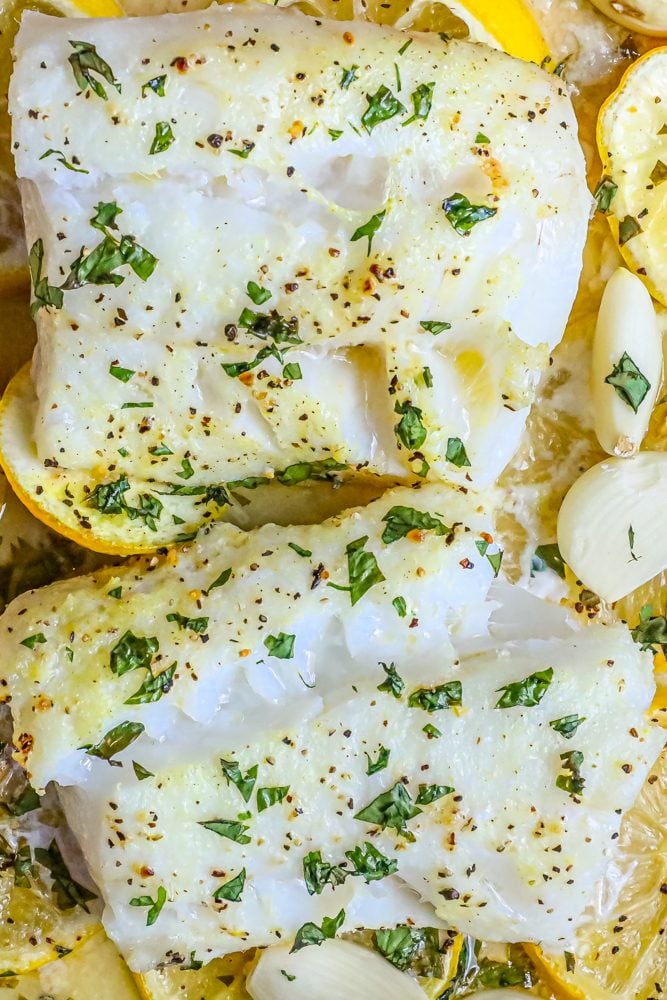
x=609 y=524
x=649 y=17
x=627 y=337
x=334 y=970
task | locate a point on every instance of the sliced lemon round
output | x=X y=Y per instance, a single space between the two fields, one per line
x=222 y=979
x=632 y=140
x=103 y=514
x=623 y=954
x=95 y=971
x=649 y=17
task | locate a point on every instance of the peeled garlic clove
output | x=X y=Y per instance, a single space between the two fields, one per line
x=649 y=17
x=610 y=524
x=627 y=337
x=334 y=969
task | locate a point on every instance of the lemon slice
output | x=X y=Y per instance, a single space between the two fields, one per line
x=624 y=955
x=632 y=140
x=649 y=17
x=95 y=971
x=222 y=979
x=105 y=515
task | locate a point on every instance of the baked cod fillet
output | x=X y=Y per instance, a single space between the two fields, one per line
x=262 y=241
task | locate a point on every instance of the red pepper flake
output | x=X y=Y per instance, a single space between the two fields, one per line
x=466 y=563
x=181 y=64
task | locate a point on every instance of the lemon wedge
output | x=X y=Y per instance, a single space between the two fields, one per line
x=632 y=140
x=222 y=979
x=623 y=955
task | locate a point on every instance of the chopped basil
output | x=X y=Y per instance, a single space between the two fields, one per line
x=163 y=138
x=115 y=592
x=23 y=865
x=495 y=560
x=380 y=764
x=348 y=77
x=362 y=568
x=137 y=406
x=400 y=606
x=221 y=580
x=481 y=139
x=567 y=725
x=85 y=60
x=155 y=905
x=651 y=630
x=631 y=544
x=244 y=783
x=43 y=293
x=267 y=797
x=63 y=161
x=187 y=472
x=405 y=46
x=229 y=828
x=528 y=692
x=231 y=891
x=410 y=429
x=156 y=84
x=141 y=772
x=115 y=741
x=292 y=371
x=422 y=100
x=97 y=267
x=400 y=945
x=300 y=471
x=370 y=863
x=435 y=699
x=244 y=153
x=153 y=687
x=394 y=684
x=628 y=228
x=310 y=933
x=500 y=974
x=369 y=229
x=236 y=368
x=304 y=553
x=400 y=521
x=281 y=646
x=391 y=810
x=425 y=378
x=463 y=216
x=548 y=556
x=604 y=194
x=318 y=873
x=288 y=976
x=572 y=782
x=258 y=294
x=381 y=107
x=198 y=625
x=109 y=498
x=133 y=652
x=33 y=640
x=68 y=892
x=630 y=384
x=659 y=173
x=215 y=493
x=431 y=731
x=271 y=324
x=122 y=374
x=334 y=133
x=431 y=793
x=456 y=453
x=434 y=326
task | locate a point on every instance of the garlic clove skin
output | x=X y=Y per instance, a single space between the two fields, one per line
x=626 y=324
x=609 y=524
x=334 y=970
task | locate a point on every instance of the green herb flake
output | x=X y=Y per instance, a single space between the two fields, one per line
x=164 y=137
x=281 y=646
x=628 y=228
x=244 y=782
x=60 y=156
x=155 y=85
x=292 y=371
x=370 y=863
x=528 y=692
x=122 y=374
x=481 y=139
x=68 y=892
x=228 y=828
x=659 y=173
x=138 y=406
x=115 y=741
x=231 y=890
x=244 y=153
x=401 y=521
x=155 y=905
x=391 y=810
x=257 y=294
x=410 y=429
x=401 y=945
x=310 y=933
x=334 y=133
x=567 y=725
x=435 y=699
x=31 y=641
x=380 y=764
x=187 y=472
x=98 y=266
x=630 y=384
x=317 y=874
x=405 y=46
x=154 y=686
x=369 y=229
x=43 y=293
x=85 y=60
x=267 y=797
x=434 y=326
x=133 y=652
x=304 y=553
x=393 y=684
x=548 y=557
x=221 y=580
x=23 y=866
x=400 y=606
x=159 y=450
x=198 y=625
x=572 y=782
x=141 y=772
x=382 y=106
x=456 y=453
x=325 y=469
x=422 y=101
x=431 y=731
x=362 y=568
x=348 y=77
x=604 y=194
x=631 y=544
x=464 y=216
x=431 y=793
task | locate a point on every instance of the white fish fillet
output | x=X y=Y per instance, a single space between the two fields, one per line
x=64 y=693
x=507 y=855
x=499 y=131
